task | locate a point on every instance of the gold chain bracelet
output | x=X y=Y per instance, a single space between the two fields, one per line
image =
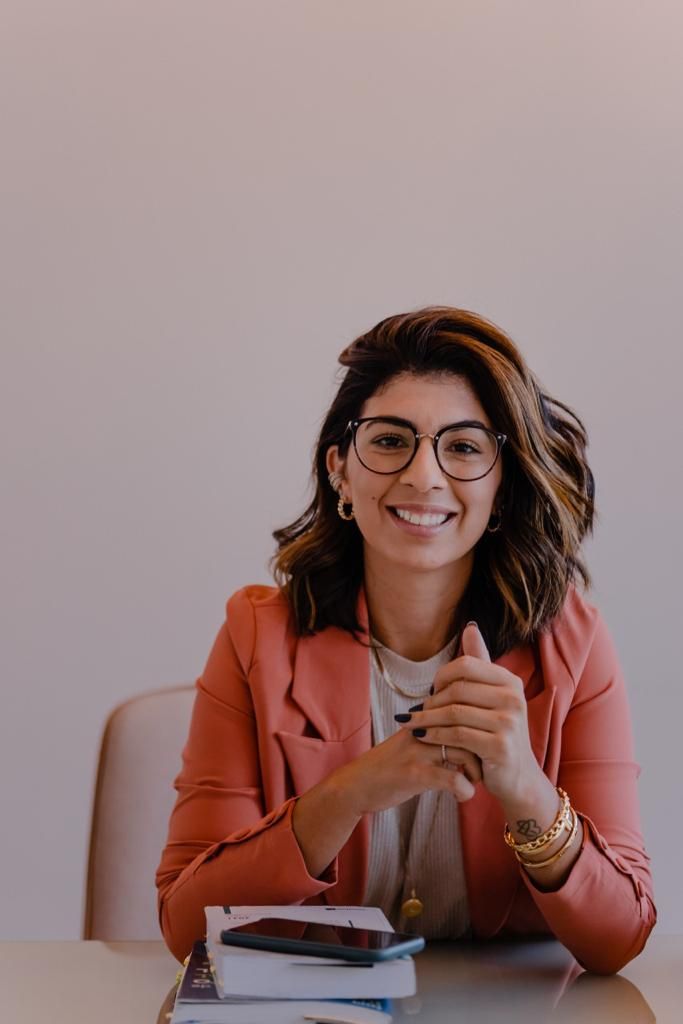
x=560 y=853
x=563 y=820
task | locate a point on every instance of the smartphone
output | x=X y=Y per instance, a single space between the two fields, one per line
x=306 y=938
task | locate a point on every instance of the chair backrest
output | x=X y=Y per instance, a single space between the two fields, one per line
x=139 y=759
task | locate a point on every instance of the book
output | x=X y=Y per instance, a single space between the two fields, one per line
x=197 y=1002
x=246 y=972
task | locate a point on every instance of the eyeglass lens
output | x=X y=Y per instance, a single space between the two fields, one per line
x=463 y=452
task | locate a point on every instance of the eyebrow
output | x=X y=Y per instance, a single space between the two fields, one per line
x=454 y=423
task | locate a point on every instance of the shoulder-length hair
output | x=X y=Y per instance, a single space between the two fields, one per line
x=522 y=572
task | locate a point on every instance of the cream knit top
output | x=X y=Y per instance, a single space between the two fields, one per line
x=427 y=827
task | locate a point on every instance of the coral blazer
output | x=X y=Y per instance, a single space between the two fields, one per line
x=274 y=714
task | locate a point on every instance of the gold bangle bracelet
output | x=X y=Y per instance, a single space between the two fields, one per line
x=560 y=853
x=548 y=836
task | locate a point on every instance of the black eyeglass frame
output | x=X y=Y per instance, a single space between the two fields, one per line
x=353 y=426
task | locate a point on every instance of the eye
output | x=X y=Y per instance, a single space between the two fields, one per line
x=463 y=448
x=389 y=441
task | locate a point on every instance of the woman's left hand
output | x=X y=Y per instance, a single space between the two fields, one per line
x=481 y=707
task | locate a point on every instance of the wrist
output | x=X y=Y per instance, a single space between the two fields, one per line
x=554 y=871
x=533 y=808
x=343 y=797
x=322 y=821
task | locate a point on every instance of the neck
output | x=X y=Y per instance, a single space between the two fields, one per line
x=412 y=613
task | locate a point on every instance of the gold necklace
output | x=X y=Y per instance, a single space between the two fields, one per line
x=413 y=906
x=389 y=681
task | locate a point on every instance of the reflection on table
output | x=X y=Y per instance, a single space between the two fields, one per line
x=126 y=983
x=537 y=981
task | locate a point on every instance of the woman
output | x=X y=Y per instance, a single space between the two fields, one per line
x=425 y=672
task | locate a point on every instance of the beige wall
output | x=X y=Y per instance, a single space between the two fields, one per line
x=203 y=202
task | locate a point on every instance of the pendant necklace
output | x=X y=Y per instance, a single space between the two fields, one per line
x=412 y=906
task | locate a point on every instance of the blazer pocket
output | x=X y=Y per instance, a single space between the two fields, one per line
x=310 y=760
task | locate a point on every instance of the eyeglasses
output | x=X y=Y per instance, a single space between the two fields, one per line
x=464 y=451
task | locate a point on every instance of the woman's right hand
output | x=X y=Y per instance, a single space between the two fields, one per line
x=399 y=768
x=386 y=775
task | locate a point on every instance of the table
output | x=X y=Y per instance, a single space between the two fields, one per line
x=127 y=982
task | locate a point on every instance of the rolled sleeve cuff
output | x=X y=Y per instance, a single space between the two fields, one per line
x=622 y=917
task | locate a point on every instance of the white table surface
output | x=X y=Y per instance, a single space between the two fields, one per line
x=127 y=982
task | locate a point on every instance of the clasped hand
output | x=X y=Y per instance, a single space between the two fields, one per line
x=478 y=712
x=479 y=708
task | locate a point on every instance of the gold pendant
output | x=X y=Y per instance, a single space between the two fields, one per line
x=413 y=906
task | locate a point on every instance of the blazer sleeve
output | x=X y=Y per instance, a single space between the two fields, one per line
x=222 y=847
x=604 y=911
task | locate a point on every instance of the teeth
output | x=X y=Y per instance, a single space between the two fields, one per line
x=431 y=519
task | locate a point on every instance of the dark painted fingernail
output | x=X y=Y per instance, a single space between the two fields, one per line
x=402 y=718
x=419 y=733
x=431 y=691
x=416 y=707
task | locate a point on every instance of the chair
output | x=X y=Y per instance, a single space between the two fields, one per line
x=140 y=756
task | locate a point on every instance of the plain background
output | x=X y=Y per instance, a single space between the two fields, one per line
x=202 y=204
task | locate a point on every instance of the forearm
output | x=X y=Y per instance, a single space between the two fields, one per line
x=322 y=821
x=261 y=864
x=591 y=898
x=603 y=913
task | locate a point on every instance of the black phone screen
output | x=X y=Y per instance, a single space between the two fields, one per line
x=322 y=940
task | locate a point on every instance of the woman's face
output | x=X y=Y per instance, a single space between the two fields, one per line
x=429 y=403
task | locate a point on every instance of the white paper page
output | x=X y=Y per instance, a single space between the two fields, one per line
x=353 y=917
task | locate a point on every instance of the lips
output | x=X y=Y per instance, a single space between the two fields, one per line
x=449 y=515
x=423 y=509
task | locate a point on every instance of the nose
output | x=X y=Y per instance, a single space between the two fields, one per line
x=424 y=472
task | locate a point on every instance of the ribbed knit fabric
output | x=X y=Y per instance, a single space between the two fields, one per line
x=427 y=827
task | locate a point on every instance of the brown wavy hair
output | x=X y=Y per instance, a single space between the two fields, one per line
x=520 y=574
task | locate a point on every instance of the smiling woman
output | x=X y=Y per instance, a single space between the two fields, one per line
x=440 y=485
x=424 y=713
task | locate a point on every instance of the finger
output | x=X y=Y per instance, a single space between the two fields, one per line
x=464 y=691
x=486 y=745
x=453 y=782
x=459 y=759
x=460 y=786
x=472 y=645
x=473 y=642
x=452 y=715
x=470 y=763
x=457 y=756
x=473 y=670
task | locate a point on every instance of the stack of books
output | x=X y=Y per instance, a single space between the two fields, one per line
x=198 y=1002
x=226 y=984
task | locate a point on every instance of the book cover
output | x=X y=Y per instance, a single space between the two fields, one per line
x=198 y=1002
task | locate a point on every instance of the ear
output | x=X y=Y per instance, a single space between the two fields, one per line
x=498 y=500
x=334 y=462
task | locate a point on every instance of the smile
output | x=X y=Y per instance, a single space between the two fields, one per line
x=424 y=522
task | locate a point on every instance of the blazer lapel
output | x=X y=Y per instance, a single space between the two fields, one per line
x=331 y=683
x=331 y=687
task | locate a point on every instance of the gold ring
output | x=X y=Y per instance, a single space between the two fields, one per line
x=445 y=763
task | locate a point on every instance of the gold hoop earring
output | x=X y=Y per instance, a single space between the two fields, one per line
x=340 y=509
x=499 y=523
x=335 y=480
